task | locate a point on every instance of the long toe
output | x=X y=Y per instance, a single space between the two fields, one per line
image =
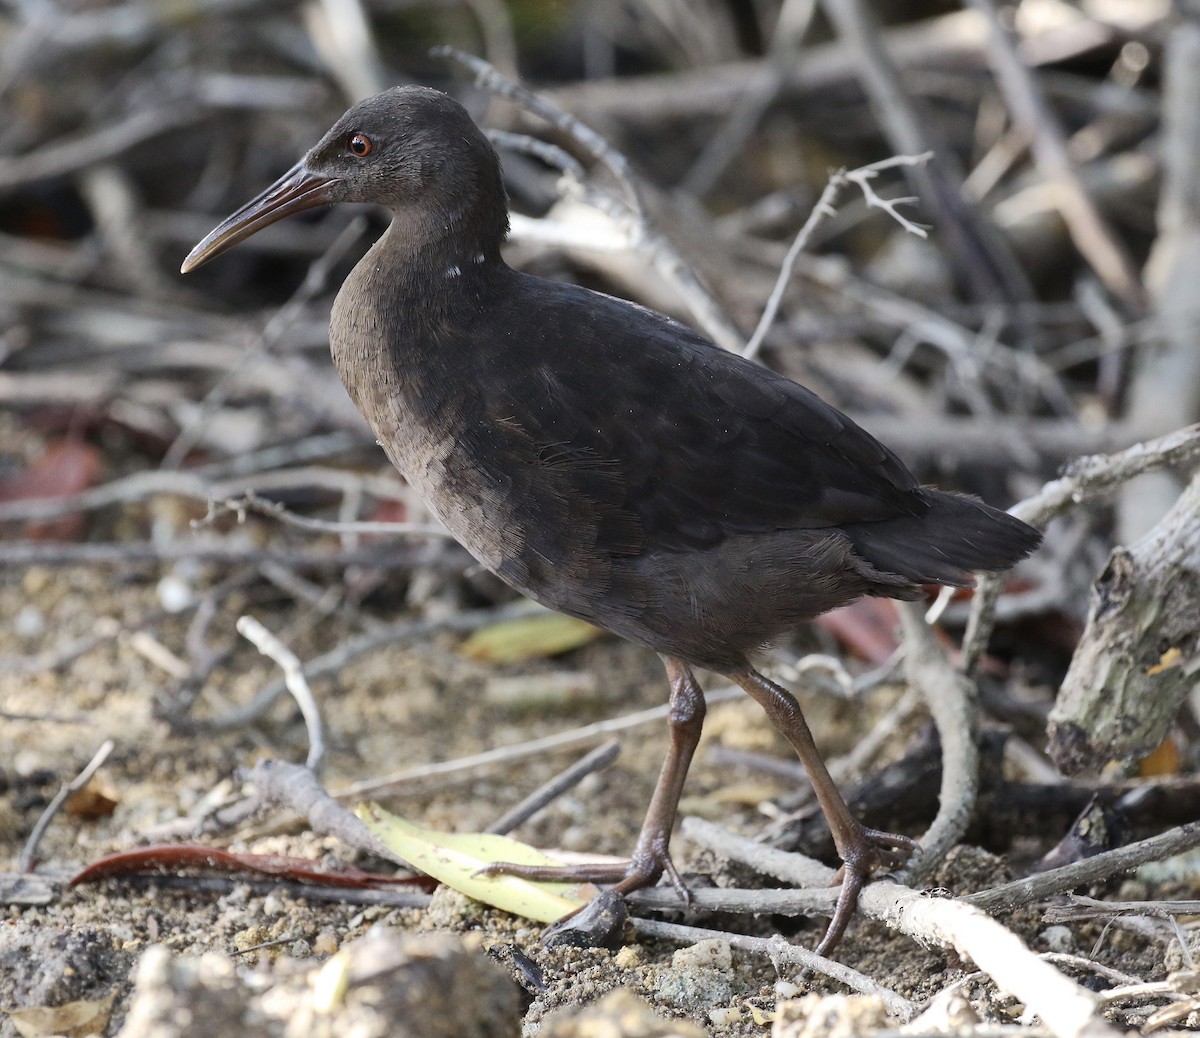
x=843 y=912
x=867 y=851
x=891 y=850
x=599 y=872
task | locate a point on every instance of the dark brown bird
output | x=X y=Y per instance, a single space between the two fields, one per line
x=607 y=461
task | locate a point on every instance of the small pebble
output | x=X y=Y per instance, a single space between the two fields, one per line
x=714 y=953
x=724 y=1016
x=29 y=622
x=325 y=943
x=251 y=937
x=628 y=956
x=174 y=594
x=1058 y=939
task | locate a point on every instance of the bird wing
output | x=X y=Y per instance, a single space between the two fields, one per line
x=673 y=441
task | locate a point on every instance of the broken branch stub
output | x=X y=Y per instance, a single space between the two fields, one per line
x=1140 y=651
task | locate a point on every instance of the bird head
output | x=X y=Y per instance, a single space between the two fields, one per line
x=414 y=150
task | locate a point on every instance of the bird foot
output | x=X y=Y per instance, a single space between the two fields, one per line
x=600 y=922
x=869 y=850
x=864 y=851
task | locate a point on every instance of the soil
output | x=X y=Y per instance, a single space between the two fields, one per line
x=385 y=712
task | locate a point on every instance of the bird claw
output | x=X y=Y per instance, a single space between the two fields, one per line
x=864 y=852
x=867 y=851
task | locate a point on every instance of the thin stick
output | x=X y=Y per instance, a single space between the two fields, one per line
x=491 y=79
x=25 y=861
x=293 y=676
x=596 y=760
x=628 y=213
x=1090 y=870
x=251 y=502
x=779 y=952
x=290 y=888
x=1089 y=230
x=389 y=634
x=383 y=557
x=141 y=485
x=825 y=208
x=401 y=781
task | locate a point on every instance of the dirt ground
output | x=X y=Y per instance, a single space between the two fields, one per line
x=987 y=355
x=391 y=710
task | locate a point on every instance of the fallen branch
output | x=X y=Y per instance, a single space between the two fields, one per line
x=1067 y=1009
x=1085 y=479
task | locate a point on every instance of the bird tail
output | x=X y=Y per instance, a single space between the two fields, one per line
x=958 y=536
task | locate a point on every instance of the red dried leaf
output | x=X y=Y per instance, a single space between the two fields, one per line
x=171 y=858
x=866 y=628
x=65 y=467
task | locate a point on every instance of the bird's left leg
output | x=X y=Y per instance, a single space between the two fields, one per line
x=862 y=850
x=651 y=854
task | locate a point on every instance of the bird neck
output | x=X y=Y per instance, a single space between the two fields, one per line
x=397 y=320
x=432 y=273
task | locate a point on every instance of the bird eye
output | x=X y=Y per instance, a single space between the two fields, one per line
x=360 y=144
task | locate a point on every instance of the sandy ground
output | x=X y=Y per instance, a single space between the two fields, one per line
x=386 y=712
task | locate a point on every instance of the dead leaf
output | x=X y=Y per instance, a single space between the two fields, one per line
x=456 y=858
x=74 y=1019
x=529 y=638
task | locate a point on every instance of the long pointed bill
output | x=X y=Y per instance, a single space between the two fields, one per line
x=296 y=190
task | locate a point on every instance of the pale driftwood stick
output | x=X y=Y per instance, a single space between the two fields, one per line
x=1137 y=658
x=953 y=701
x=1085 y=479
x=780 y=951
x=1081 y=907
x=406 y=780
x=1067 y=1009
x=999 y=440
x=496 y=34
x=251 y=502
x=792 y=24
x=29 y=851
x=824 y=208
x=295 y=788
x=1164 y=387
x=113 y=201
x=594 y=760
x=350 y=649
x=141 y=485
x=490 y=79
x=958 y=39
x=66 y=156
x=315 y=279
x=18 y=554
x=293 y=678
x=342 y=34
x=628 y=213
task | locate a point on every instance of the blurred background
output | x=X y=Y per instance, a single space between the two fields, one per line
x=1047 y=314
x=164 y=440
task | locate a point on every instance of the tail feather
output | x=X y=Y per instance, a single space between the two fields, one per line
x=958 y=535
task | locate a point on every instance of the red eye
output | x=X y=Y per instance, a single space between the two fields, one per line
x=360 y=144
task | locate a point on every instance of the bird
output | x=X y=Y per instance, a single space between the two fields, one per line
x=609 y=461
